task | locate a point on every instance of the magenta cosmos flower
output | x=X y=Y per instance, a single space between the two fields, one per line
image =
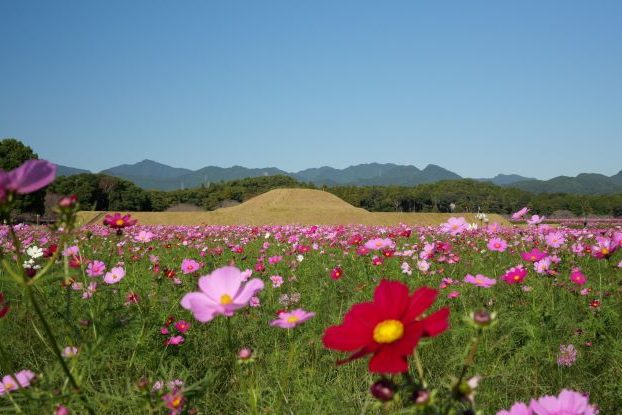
x=221 y=292
x=27 y=178
x=118 y=221
x=480 y=280
x=567 y=403
x=379 y=243
x=290 y=319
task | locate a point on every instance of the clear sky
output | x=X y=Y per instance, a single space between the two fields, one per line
x=478 y=87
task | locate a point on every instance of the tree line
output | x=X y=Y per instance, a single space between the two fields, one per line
x=103 y=192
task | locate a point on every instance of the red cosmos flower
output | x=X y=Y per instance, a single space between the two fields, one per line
x=117 y=221
x=336 y=273
x=389 y=327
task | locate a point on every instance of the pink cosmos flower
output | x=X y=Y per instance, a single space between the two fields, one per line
x=542 y=266
x=518 y=408
x=115 y=275
x=27 y=178
x=174 y=341
x=144 y=237
x=480 y=280
x=277 y=281
x=455 y=226
x=71 y=251
x=555 y=239
x=423 y=265
x=497 y=244
x=118 y=221
x=567 y=403
x=453 y=294
x=577 y=276
x=379 y=243
x=534 y=255
x=604 y=248
x=220 y=293
x=95 y=268
x=275 y=259
x=70 y=351
x=515 y=275
x=188 y=266
x=535 y=220
x=288 y=320
x=90 y=290
x=182 y=326
x=519 y=214
x=567 y=355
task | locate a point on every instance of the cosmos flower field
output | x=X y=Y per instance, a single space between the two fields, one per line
x=203 y=319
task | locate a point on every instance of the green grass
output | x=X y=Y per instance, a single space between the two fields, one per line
x=293 y=373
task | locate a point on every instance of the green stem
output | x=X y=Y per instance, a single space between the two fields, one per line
x=470 y=356
x=419 y=367
x=56 y=349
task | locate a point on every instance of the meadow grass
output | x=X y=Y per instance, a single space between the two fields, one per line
x=292 y=373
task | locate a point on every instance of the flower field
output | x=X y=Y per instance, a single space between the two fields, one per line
x=122 y=318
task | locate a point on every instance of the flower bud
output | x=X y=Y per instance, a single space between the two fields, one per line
x=383 y=390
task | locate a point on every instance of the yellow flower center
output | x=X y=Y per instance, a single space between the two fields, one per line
x=388 y=331
x=292 y=319
x=479 y=280
x=516 y=277
x=9 y=385
x=378 y=243
x=119 y=222
x=176 y=402
x=225 y=299
x=604 y=251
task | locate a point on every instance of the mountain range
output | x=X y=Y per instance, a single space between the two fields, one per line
x=150 y=174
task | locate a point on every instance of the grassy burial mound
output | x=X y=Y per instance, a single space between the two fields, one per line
x=289 y=206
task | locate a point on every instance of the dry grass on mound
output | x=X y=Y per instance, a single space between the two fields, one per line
x=283 y=206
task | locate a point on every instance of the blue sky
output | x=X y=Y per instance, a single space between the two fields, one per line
x=478 y=87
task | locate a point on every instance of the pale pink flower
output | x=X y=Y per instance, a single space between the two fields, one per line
x=115 y=275
x=480 y=280
x=220 y=293
x=277 y=281
x=95 y=268
x=379 y=243
x=497 y=244
x=519 y=214
x=455 y=226
x=290 y=319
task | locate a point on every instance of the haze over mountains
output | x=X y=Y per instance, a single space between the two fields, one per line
x=149 y=174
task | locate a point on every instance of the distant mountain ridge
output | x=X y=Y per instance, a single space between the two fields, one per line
x=150 y=174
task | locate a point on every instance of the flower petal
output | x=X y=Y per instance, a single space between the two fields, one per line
x=420 y=301
x=31 y=176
